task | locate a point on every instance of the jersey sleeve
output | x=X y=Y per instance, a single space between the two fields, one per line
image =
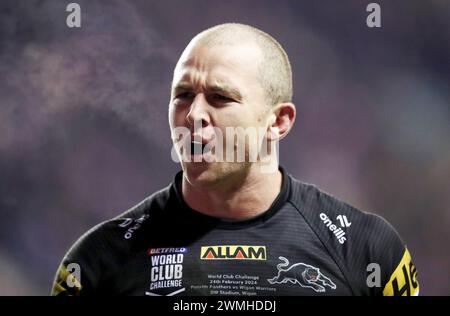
x=403 y=279
x=81 y=268
x=398 y=273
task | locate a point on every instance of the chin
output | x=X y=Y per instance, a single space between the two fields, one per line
x=200 y=173
x=210 y=175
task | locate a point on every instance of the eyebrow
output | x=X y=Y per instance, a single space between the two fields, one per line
x=226 y=90
x=182 y=86
x=220 y=88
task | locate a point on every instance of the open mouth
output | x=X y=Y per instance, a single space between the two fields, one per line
x=199 y=148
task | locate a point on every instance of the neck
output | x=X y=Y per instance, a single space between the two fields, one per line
x=253 y=196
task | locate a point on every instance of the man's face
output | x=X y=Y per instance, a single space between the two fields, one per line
x=217 y=88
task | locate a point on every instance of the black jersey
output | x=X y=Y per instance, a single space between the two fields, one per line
x=307 y=243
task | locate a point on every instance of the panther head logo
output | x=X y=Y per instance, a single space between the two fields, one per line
x=302 y=274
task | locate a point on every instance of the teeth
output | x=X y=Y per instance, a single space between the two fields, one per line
x=196 y=147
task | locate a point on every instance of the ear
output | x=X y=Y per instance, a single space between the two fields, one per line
x=281 y=121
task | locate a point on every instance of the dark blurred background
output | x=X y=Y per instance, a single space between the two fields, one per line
x=83 y=117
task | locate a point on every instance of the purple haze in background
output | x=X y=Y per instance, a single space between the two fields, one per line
x=84 y=132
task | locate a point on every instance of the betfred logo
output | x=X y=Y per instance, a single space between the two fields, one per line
x=233 y=252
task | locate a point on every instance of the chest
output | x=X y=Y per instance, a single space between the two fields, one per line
x=291 y=262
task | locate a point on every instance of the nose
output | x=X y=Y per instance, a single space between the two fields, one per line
x=198 y=113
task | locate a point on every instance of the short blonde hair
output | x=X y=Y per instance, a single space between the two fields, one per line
x=275 y=68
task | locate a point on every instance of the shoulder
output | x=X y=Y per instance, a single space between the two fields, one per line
x=326 y=212
x=98 y=252
x=354 y=238
x=124 y=226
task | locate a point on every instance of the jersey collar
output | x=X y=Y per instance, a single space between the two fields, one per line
x=200 y=218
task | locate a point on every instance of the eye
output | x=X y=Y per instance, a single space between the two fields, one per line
x=221 y=98
x=184 y=95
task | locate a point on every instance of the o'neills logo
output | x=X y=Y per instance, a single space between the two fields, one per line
x=233 y=252
x=339 y=233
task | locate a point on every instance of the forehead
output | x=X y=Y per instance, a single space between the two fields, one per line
x=221 y=64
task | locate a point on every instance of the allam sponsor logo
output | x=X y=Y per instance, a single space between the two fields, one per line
x=233 y=252
x=339 y=233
